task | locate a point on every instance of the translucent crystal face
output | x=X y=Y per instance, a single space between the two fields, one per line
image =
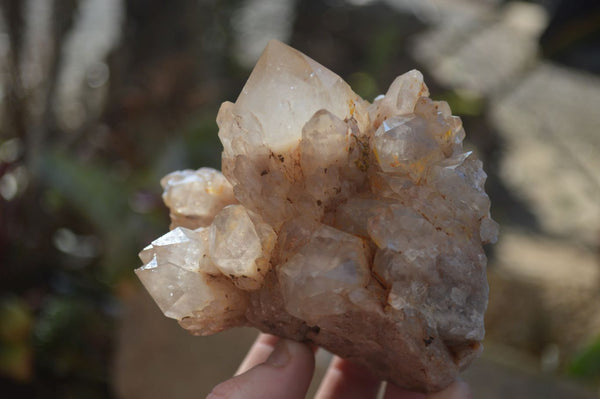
x=281 y=94
x=353 y=225
x=178 y=273
x=237 y=246
x=403 y=145
x=194 y=197
x=182 y=247
x=318 y=278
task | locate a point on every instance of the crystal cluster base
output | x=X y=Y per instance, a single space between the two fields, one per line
x=355 y=226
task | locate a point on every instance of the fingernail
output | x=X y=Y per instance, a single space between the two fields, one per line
x=280 y=355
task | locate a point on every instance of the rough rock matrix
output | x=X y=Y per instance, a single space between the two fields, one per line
x=355 y=226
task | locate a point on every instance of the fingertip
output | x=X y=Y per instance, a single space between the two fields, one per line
x=301 y=355
x=223 y=390
x=457 y=390
x=258 y=352
x=267 y=339
x=394 y=392
x=287 y=372
x=345 y=379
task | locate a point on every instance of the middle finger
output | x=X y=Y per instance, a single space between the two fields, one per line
x=347 y=380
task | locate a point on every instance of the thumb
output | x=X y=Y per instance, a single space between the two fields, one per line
x=285 y=374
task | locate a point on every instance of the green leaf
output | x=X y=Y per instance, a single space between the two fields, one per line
x=586 y=365
x=91 y=187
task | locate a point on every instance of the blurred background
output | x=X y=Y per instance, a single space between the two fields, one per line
x=101 y=98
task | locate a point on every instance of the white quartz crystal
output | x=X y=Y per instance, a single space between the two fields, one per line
x=325 y=270
x=240 y=247
x=183 y=247
x=194 y=197
x=185 y=283
x=355 y=226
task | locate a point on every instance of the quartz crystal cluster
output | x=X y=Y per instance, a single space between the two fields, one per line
x=355 y=226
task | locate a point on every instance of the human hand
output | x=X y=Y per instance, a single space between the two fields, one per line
x=277 y=368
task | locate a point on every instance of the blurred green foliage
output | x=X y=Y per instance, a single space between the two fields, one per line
x=16 y=321
x=587 y=364
x=77 y=204
x=464 y=103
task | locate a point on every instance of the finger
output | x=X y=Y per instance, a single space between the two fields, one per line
x=345 y=379
x=457 y=390
x=394 y=392
x=259 y=352
x=285 y=374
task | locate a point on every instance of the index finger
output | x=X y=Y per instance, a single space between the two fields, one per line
x=457 y=390
x=347 y=380
x=258 y=353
